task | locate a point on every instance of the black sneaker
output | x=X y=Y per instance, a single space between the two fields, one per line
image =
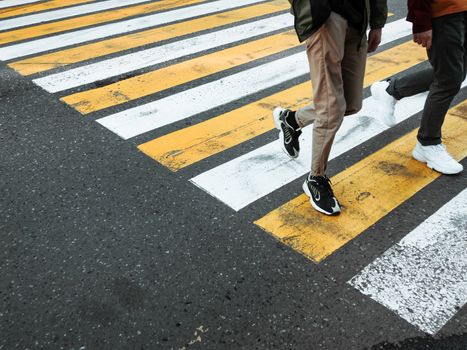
x=288 y=136
x=318 y=188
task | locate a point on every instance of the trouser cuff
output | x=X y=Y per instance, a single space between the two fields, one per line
x=391 y=89
x=429 y=141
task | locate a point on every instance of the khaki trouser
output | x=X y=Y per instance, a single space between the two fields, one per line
x=337 y=57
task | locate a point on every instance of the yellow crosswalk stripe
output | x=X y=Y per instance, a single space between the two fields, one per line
x=368 y=191
x=143 y=85
x=43 y=6
x=88 y=20
x=52 y=60
x=190 y=145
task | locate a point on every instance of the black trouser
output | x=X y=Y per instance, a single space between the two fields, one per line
x=448 y=58
x=411 y=84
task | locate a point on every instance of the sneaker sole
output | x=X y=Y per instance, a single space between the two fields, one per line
x=314 y=205
x=417 y=156
x=390 y=121
x=277 y=123
x=276 y=113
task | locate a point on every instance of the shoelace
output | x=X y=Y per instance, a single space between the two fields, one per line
x=441 y=151
x=326 y=185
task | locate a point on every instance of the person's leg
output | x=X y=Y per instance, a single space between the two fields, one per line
x=386 y=93
x=306 y=115
x=447 y=56
x=353 y=70
x=325 y=51
x=465 y=45
x=410 y=84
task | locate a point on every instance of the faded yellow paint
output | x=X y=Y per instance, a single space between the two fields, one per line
x=150 y=83
x=85 y=52
x=187 y=146
x=88 y=20
x=42 y=6
x=368 y=191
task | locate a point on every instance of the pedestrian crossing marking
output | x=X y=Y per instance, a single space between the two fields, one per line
x=423 y=277
x=60 y=14
x=143 y=85
x=88 y=20
x=115 y=28
x=66 y=57
x=367 y=191
x=43 y=6
x=246 y=173
x=184 y=147
x=190 y=145
x=10 y=4
x=192 y=101
x=133 y=61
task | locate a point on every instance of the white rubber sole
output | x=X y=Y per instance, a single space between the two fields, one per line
x=417 y=156
x=308 y=193
x=388 y=120
x=276 y=113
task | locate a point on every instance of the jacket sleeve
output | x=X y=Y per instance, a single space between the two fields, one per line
x=378 y=13
x=419 y=14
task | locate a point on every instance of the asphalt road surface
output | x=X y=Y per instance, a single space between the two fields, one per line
x=145 y=202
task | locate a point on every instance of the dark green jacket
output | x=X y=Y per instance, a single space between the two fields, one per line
x=310 y=15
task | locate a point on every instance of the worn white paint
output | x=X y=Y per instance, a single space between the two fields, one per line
x=423 y=278
x=266 y=169
x=64 y=13
x=395 y=30
x=149 y=57
x=122 y=27
x=153 y=115
x=11 y=3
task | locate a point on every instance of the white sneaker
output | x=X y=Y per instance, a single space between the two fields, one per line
x=437 y=158
x=385 y=107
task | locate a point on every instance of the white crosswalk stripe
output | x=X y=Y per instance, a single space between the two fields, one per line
x=149 y=57
x=11 y=3
x=141 y=119
x=104 y=31
x=64 y=13
x=423 y=278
